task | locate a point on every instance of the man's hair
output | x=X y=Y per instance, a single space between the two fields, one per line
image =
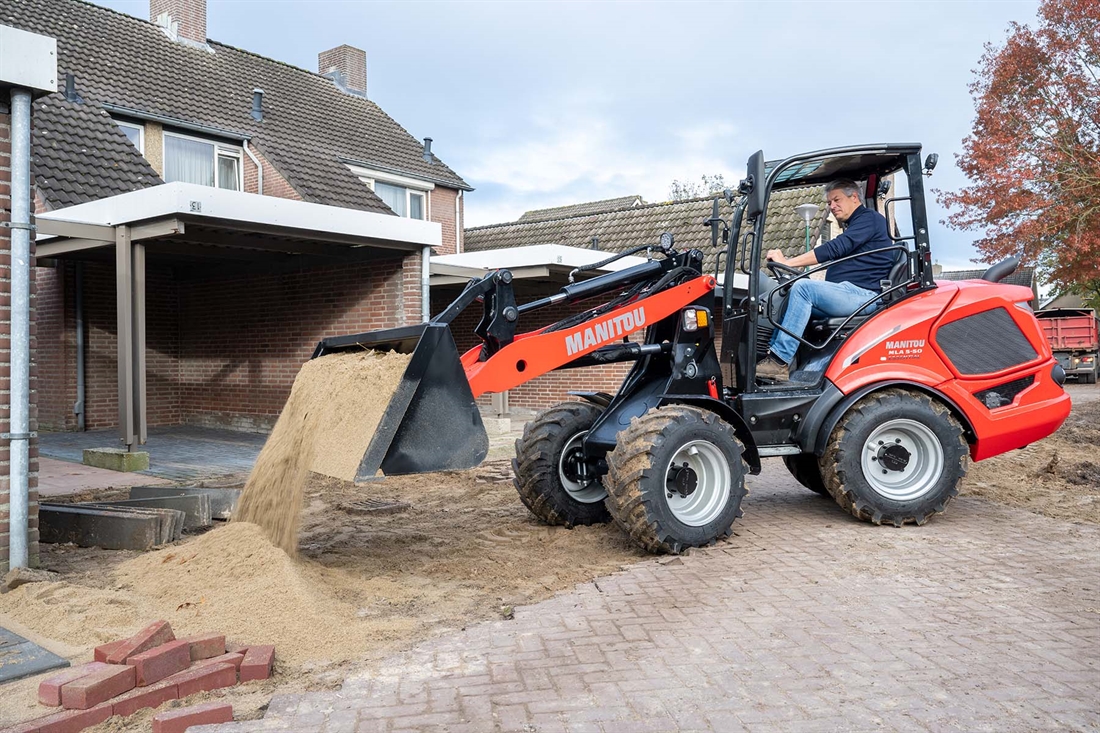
x=846 y=185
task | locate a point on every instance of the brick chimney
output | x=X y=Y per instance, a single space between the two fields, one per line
x=181 y=20
x=347 y=66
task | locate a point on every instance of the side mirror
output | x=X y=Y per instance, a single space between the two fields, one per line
x=883 y=187
x=930 y=163
x=753 y=185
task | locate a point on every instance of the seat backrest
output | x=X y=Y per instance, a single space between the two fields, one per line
x=899 y=273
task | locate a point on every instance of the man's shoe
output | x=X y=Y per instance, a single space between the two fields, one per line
x=772 y=368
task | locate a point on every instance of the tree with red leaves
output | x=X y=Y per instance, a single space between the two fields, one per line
x=1033 y=156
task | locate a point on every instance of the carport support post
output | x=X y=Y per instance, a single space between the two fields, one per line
x=123 y=301
x=137 y=305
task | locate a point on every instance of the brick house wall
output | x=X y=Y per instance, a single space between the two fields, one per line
x=274 y=182
x=5 y=368
x=442 y=207
x=57 y=382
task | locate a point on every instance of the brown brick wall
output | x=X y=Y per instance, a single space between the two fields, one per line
x=5 y=368
x=190 y=14
x=274 y=182
x=443 y=212
x=56 y=349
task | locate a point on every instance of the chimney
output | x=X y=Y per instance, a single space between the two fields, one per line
x=181 y=20
x=428 y=149
x=347 y=66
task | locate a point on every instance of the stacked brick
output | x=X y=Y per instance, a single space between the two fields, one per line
x=147 y=670
x=5 y=360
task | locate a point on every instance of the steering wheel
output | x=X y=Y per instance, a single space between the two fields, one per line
x=782 y=272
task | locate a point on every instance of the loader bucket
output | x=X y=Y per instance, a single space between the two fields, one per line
x=432 y=422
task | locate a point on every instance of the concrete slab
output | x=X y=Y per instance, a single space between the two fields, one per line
x=222 y=500
x=63 y=478
x=116 y=459
x=169 y=521
x=20 y=658
x=195 y=507
x=111 y=530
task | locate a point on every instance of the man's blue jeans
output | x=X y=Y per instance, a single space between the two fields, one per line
x=820 y=299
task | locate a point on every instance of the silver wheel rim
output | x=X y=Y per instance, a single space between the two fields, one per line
x=922 y=469
x=712 y=490
x=585 y=493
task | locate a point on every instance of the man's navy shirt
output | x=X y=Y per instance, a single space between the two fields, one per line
x=866 y=232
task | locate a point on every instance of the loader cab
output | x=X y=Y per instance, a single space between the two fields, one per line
x=892 y=180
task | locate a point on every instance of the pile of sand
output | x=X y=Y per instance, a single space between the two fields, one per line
x=326 y=426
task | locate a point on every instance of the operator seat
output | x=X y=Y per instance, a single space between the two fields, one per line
x=899 y=273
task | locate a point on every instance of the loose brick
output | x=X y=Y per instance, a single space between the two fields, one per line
x=178 y=721
x=152 y=696
x=233 y=648
x=161 y=661
x=257 y=664
x=97 y=687
x=103 y=651
x=49 y=689
x=155 y=634
x=66 y=721
x=206 y=646
x=234 y=659
x=202 y=679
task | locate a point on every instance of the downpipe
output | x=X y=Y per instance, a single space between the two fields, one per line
x=19 y=427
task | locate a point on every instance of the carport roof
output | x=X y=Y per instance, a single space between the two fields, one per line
x=187 y=221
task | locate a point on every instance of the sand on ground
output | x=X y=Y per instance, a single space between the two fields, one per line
x=364 y=584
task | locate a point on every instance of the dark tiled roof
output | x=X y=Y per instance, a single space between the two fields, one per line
x=619 y=231
x=592 y=207
x=77 y=149
x=1023 y=276
x=309 y=126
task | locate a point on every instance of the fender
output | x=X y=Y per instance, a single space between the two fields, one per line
x=821 y=436
x=727 y=413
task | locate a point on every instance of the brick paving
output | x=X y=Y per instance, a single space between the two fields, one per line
x=985 y=619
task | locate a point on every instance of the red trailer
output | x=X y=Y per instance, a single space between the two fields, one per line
x=1073 y=337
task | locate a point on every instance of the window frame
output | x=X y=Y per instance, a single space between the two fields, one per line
x=412 y=186
x=141 y=132
x=219 y=149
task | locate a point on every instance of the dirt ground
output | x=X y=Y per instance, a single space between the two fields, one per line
x=370 y=579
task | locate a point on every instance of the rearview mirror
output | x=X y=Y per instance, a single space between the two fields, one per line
x=753 y=186
x=930 y=163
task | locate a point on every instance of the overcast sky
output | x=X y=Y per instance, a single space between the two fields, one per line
x=545 y=104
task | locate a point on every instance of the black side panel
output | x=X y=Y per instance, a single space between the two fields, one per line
x=432 y=422
x=985 y=342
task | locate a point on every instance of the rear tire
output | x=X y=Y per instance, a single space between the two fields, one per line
x=1090 y=378
x=549 y=471
x=806 y=471
x=895 y=457
x=676 y=479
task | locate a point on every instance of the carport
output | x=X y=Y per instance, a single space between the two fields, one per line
x=196 y=228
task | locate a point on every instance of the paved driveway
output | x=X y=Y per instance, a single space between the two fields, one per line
x=985 y=619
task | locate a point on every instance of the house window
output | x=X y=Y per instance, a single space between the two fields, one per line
x=404 y=201
x=135 y=133
x=206 y=163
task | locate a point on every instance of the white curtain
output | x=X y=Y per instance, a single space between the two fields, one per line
x=190 y=161
x=393 y=196
x=228 y=176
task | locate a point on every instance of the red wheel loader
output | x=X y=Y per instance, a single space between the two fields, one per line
x=884 y=410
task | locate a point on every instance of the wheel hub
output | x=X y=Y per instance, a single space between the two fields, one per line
x=682 y=480
x=893 y=457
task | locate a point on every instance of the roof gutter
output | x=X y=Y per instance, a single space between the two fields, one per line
x=402 y=172
x=138 y=114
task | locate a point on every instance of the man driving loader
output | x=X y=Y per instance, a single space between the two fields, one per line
x=847 y=285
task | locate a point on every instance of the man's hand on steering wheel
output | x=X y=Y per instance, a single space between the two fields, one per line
x=777 y=263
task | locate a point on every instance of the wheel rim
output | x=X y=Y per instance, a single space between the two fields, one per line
x=571 y=467
x=697 y=483
x=902 y=460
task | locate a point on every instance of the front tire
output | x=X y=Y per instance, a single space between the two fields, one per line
x=552 y=478
x=895 y=457
x=676 y=479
